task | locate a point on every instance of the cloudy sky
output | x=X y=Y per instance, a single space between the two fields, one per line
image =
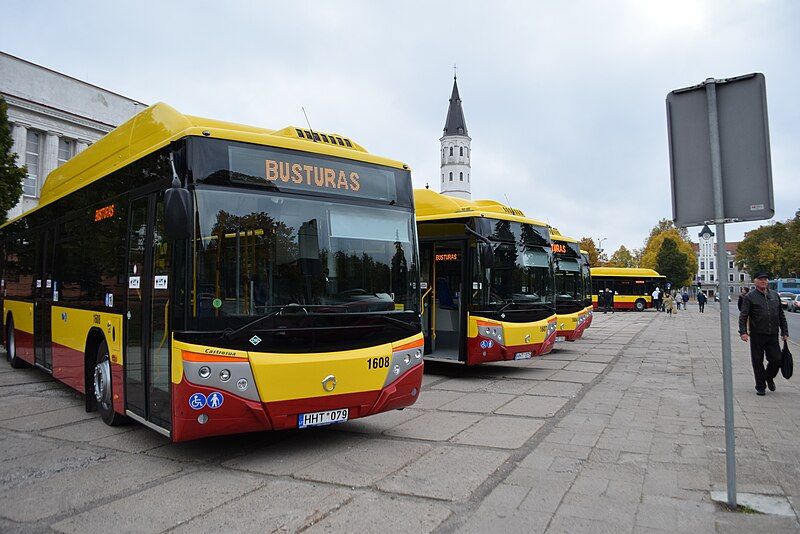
x=564 y=101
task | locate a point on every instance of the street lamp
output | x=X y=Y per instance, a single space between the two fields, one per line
x=600 y=246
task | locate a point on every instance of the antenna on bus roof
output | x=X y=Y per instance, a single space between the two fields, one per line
x=508 y=202
x=313 y=135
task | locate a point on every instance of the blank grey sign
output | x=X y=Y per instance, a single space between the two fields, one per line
x=744 y=151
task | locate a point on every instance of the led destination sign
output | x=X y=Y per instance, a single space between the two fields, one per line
x=293 y=171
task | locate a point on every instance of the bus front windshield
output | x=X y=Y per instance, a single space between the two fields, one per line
x=521 y=275
x=257 y=253
x=569 y=280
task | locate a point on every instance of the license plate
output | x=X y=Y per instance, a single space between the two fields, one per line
x=561 y=338
x=522 y=356
x=322 y=418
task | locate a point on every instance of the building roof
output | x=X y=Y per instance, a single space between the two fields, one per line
x=430 y=206
x=160 y=124
x=455 y=123
x=704 y=230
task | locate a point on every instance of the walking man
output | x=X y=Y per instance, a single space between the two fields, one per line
x=685 y=298
x=657 y=298
x=762 y=316
x=701 y=301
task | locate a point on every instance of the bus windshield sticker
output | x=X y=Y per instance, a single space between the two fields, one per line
x=133 y=282
x=197 y=401
x=287 y=171
x=160 y=282
x=48 y=284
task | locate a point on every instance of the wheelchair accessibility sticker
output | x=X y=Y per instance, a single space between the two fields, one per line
x=487 y=344
x=197 y=401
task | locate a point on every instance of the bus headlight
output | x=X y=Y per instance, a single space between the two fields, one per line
x=407 y=359
x=242 y=384
x=396 y=369
x=418 y=354
x=204 y=372
x=225 y=375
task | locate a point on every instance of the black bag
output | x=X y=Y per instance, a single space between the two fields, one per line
x=787 y=365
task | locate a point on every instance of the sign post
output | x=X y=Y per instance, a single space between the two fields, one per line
x=721 y=172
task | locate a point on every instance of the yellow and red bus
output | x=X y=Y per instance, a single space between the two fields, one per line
x=487 y=280
x=632 y=287
x=587 y=288
x=570 y=287
x=204 y=278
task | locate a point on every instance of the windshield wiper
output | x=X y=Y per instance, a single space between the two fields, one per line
x=407 y=326
x=247 y=326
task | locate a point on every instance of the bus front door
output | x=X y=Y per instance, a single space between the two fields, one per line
x=147 y=343
x=443 y=263
x=42 y=302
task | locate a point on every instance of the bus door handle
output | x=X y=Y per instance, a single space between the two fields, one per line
x=422 y=300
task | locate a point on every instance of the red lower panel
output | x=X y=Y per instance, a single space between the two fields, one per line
x=24 y=346
x=571 y=335
x=118 y=388
x=68 y=367
x=588 y=322
x=238 y=415
x=498 y=353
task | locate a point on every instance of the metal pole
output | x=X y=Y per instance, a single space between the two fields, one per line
x=724 y=292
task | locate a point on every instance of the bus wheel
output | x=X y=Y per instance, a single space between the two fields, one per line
x=11 y=346
x=103 y=389
x=640 y=305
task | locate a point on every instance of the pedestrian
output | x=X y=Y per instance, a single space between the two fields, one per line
x=610 y=299
x=669 y=302
x=701 y=301
x=657 y=298
x=742 y=294
x=685 y=299
x=759 y=321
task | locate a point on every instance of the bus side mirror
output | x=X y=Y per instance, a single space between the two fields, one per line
x=487 y=255
x=178 y=213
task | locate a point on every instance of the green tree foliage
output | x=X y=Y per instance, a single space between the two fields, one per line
x=622 y=257
x=11 y=176
x=666 y=224
x=671 y=262
x=649 y=255
x=774 y=248
x=587 y=244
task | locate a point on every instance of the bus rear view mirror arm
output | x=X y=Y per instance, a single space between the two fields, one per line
x=177 y=208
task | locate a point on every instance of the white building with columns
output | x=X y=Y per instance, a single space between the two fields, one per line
x=53 y=117
x=455 y=165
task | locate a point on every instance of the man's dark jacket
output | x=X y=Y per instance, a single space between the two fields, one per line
x=764 y=313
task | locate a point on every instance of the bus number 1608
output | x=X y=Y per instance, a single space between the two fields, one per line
x=378 y=363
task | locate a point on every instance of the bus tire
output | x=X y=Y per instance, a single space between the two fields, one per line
x=102 y=388
x=639 y=305
x=11 y=346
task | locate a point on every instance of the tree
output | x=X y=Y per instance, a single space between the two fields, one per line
x=671 y=262
x=666 y=224
x=11 y=176
x=587 y=244
x=622 y=258
x=653 y=246
x=774 y=248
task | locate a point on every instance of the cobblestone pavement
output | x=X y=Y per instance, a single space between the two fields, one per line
x=618 y=432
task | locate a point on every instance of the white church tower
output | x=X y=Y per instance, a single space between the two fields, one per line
x=455 y=150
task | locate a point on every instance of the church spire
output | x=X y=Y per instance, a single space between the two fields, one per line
x=455 y=166
x=455 y=123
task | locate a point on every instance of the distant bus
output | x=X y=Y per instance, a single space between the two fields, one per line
x=486 y=280
x=785 y=285
x=632 y=288
x=206 y=278
x=570 y=287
